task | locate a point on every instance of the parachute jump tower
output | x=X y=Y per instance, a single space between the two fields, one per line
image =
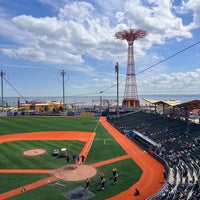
x=130 y=100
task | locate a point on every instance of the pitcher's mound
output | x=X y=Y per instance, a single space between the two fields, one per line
x=75 y=172
x=34 y=152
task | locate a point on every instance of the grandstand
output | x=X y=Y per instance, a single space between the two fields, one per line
x=171 y=138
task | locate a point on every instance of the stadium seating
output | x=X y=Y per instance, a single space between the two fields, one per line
x=179 y=146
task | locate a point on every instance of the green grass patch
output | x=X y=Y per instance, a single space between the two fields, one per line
x=13 y=181
x=37 y=124
x=104 y=147
x=12 y=156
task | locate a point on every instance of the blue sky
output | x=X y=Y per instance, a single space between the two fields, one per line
x=39 y=38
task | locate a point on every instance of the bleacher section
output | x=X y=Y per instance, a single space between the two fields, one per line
x=175 y=141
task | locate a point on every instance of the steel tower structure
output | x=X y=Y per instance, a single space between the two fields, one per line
x=130 y=93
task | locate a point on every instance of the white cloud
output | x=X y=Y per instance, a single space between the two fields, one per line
x=80 y=30
x=195 y=7
x=159 y=20
x=55 y=4
x=37 y=55
x=179 y=82
x=77 y=11
x=89 y=70
x=70 y=36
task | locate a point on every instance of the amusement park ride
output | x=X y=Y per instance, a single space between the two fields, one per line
x=130 y=100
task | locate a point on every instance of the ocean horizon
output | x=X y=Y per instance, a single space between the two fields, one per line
x=12 y=101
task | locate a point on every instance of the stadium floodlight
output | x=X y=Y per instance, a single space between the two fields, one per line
x=2 y=74
x=64 y=76
x=117 y=76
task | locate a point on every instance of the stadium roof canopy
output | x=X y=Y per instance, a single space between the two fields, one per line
x=195 y=104
x=163 y=103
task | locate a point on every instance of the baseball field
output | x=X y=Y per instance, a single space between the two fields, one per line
x=28 y=170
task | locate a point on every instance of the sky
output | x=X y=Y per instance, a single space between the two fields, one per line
x=40 y=38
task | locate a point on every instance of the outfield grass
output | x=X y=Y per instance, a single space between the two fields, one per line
x=104 y=147
x=12 y=157
x=31 y=124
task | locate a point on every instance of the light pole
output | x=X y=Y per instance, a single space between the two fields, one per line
x=63 y=81
x=2 y=103
x=108 y=106
x=117 y=75
x=108 y=109
x=101 y=102
x=100 y=105
x=63 y=74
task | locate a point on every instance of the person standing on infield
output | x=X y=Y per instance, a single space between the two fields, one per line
x=103 y=183
x=87 y=183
